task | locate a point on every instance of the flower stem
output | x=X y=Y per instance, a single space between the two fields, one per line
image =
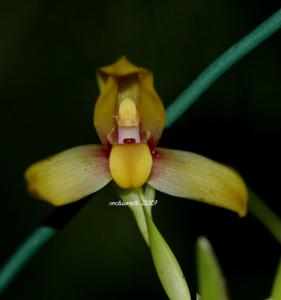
x=265 y=215
x=55 y=221
x=224 y=62
x=32 y=244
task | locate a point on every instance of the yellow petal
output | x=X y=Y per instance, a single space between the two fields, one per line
x=189 y=175
x=69 y=175
x=105 y=110
x=130 y=164
x=151 y=109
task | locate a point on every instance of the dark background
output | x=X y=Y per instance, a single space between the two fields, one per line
x=49 y=51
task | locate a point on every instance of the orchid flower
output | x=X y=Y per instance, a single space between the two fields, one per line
x=129 y=118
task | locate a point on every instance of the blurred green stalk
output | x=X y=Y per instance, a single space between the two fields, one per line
x=217 y=68
x=265 y=215
x=16 y=262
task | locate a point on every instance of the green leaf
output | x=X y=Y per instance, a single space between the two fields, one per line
x=210 y=279
x=276 y=289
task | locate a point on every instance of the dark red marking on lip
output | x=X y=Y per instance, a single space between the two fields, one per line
x=107 y=149
x=151 y=144
x=129 y=141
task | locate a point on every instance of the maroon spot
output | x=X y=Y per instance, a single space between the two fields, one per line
x=155 y=153
x=129 y=141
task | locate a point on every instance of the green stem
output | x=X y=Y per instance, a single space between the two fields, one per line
x=55 y=221
x=221 y=65
x=265 y=215
x=16 y=262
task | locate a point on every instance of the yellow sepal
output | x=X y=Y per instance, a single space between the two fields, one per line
x=122 y=67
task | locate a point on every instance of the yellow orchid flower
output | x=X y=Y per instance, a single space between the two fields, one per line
x=129 y=118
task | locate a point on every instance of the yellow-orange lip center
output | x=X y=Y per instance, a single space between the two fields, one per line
x=130 y=164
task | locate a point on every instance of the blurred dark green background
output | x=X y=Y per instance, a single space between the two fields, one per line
x=49 y=51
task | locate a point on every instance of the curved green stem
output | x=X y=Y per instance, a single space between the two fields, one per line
x=55 y=221
x=20 y=258
x=221 y=65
